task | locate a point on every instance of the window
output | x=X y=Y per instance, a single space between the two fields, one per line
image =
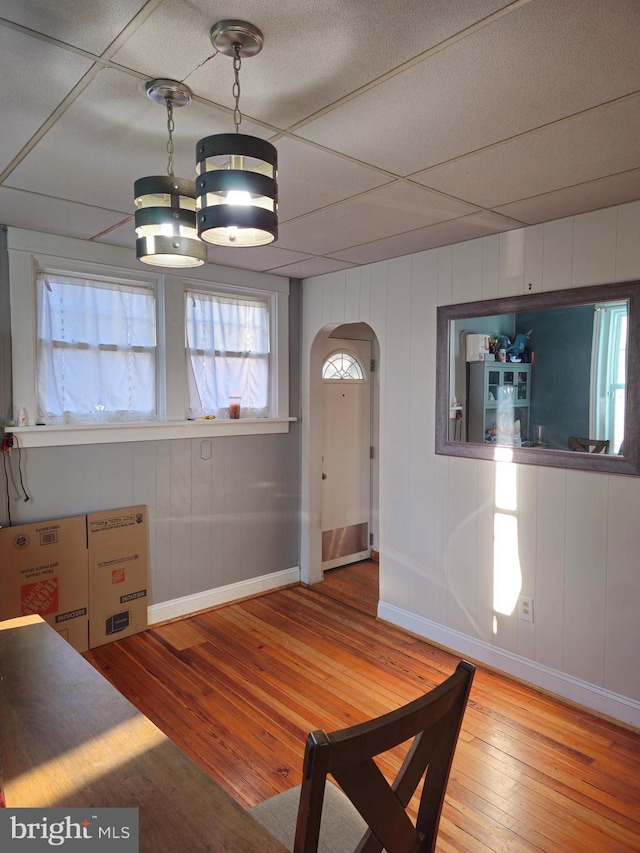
x=99 y=348
x=228 y=353
x=96 y=350
x=608 y=374
x=342 y=365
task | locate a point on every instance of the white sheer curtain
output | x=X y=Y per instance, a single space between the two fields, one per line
x=227 y=353
x=96 y=354
x=608 y=374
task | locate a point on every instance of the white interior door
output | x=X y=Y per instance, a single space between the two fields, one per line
x=346 y=471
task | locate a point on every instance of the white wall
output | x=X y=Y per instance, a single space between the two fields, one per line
x=578 y=533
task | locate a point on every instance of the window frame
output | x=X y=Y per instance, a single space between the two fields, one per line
x=605 y=363
x=31 y=251
x=213 y=289
x=151 y=285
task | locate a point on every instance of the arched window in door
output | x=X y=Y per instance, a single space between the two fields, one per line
x=343 y=365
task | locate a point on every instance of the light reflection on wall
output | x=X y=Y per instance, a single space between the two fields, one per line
x=507 y=573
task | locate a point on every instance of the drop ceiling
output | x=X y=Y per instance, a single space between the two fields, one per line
x=401 y=125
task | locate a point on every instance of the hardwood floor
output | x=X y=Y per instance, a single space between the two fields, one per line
x=239 y=688
x=355 y=585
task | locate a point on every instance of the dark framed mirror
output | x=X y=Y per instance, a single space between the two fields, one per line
x=542 y=379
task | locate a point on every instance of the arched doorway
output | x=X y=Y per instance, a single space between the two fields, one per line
x=346 y=457
x=335 y=338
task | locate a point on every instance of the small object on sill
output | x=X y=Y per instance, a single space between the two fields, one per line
x=234 y=408
x=208 y=417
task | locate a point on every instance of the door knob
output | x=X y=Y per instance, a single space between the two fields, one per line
x=324 y=476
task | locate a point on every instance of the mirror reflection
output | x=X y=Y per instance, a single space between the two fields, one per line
x=547 y=379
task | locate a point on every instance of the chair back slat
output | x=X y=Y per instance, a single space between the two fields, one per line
x=380 y=807
x=432 y=725
x=588 y=445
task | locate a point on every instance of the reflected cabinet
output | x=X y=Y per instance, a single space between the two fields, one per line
x=499 y=396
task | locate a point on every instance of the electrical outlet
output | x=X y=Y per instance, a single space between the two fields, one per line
x=525 y=608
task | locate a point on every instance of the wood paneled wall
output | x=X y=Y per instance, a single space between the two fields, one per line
x=212 y=522
x=578 y=535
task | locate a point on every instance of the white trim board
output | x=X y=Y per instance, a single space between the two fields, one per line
x=189 y=604
x=565 y=686
x=68 y=435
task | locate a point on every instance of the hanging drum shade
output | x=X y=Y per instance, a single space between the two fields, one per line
x=237 y=191
x=165 y=217
x=165 y=222
x=236 y=175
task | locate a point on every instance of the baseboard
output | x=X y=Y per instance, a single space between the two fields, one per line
x=597 y=699
x=178 y=607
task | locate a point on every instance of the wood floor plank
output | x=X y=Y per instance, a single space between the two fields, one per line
x=181 y=635
x=239 y=687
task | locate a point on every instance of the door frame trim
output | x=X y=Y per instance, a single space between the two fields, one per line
x=311 y=462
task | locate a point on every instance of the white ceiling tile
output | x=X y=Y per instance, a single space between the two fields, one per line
x=372 y=216
x=311 y=178
x=314 y=52
x=546 y=92
x=40 y=213
x=311 y=267
x=453 y=231
x=260 y=258
x=529 y=68
x=174 y=41
x=111 y=136
x=25 y=64
x=593 y=195
x=591 y=145
x=89 y=25
x=123 y=235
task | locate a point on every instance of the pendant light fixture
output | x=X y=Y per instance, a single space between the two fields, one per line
x=236 y=181
x=165 y=218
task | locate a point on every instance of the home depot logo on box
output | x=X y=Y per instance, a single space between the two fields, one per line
x=118 y=562
x=40 y=597
x=118 y=575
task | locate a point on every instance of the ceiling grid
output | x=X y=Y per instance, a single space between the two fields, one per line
x=400 y=126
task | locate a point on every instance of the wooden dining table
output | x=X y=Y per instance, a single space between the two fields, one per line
x=69 y=739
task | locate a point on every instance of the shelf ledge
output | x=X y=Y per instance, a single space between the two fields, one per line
x=75 y=434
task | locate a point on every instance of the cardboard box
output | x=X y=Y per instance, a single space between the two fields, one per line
x=118 y=567
x=477 y=347
x=44 y=570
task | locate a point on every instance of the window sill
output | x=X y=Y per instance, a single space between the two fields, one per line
x=58 y=436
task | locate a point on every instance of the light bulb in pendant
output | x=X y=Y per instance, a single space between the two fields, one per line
x=240 y=197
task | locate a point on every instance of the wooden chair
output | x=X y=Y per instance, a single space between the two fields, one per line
x=589 y=445
x=369 y=814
